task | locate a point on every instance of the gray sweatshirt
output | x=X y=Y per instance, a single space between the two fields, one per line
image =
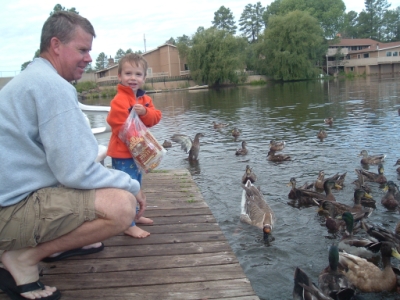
x=45 y=140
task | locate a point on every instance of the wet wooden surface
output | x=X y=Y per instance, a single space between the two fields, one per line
x=185 y=257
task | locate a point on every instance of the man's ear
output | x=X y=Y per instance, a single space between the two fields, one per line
x=55 y=45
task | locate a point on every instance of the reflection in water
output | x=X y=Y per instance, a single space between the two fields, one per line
x=365 y=117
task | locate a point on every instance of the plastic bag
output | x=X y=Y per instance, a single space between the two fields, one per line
x=145 y=149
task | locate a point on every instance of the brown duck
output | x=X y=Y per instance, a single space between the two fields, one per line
x=188 y=145
x=243 y=150
x=371 y=159
x=373 y=177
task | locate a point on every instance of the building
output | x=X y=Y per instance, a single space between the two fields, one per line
x=363 y=56
x=164 y=61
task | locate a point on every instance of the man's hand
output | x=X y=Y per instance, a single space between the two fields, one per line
x=141 y=200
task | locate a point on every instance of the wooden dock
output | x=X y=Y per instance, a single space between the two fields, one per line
x=185 y=257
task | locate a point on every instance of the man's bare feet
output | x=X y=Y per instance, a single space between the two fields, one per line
x=145 y=221
x=136 y=232
x=24 y=271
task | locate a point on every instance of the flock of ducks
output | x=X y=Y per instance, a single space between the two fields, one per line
x=350 y=269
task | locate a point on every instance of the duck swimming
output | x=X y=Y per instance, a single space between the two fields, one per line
x=243 y=150
x=277 y=157
x=373 y=177
x=167 y=144
x=391 y=200
x=249 y=175
x=219 y=125
x=371 y=159
x=365 y=275
x=276 y=145
x=398 y=164
x=329 y=121
x=235 y=133
x=255 y=210
x=332 y=282
x=188 y=145
x=305 y=289
x=322 y=134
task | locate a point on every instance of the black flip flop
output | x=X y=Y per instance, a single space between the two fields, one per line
x=8 y=286
x=73 y=252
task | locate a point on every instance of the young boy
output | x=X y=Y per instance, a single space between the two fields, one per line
x=132 y=70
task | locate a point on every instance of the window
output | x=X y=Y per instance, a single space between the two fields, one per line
x=358 y=56
x=366 y=55
x=388 y=53
x=351 y=69
x=395 y=53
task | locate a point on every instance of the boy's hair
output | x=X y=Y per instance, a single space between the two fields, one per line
x=135 y=60
x=62 y=25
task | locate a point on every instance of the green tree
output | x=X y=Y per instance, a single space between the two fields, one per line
x=183 y=43
x=271 y=10
x=371 y=19
x=391 y=30
x=329 y=13
x=224 y=20
x=25 y=64
x=251 y=21
x=292 y=47
x=216 y=57
x=89 y=68
x=171 y=41
x=350 y=25
x=120 y=53
x=101 y=61
x=59 y=7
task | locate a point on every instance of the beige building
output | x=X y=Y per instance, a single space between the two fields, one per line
x=364 y=56
x=163 y=61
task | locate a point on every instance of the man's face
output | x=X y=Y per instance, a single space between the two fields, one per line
x=74 y=56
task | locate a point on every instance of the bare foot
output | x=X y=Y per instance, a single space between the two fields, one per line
x=145 y=221
x=95 y=245
x=24 y=270
x=136 y=232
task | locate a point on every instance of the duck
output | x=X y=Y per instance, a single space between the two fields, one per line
x=305 y=289
x=391 y=200
x=297 y=193
x=371 y=159
x=362 y=247
x=373 y=177
x=335 y=209
x=255 y=210
x=332 y=282
x=243 y=150
x=322 y=134
x=188 y=145
x=382 y=234
x=398 y=164
x=329 y=121
x=167 y=144
x=276 y=145
x=311 y=196
x=235 y=133
x=219 y=125
x=277 y=157
x=249 y=175
x=365 y=275
x=339 y=180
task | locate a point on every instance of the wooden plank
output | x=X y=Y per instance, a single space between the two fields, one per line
x=186 y=255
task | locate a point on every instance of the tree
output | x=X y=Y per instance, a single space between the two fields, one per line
x=216 y=56
x=183 y=43
x=350 y=25
x=371 y=19
x=58 y=7
x=391 y=25
x=101 y=61
x=251 y=21
x=171 y=41
x=224 y=20
x=120 y=53
x=25 y=64
x=329 y=13
x=89 y=68
x=292 y=47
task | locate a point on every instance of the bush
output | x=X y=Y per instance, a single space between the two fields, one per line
x=85 y=86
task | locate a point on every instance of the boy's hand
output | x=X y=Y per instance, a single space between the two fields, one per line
x=140 y=109
x=141 y=200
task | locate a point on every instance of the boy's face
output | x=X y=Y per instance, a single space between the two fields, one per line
x=132 y=76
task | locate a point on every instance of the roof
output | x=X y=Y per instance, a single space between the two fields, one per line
x=371 y=44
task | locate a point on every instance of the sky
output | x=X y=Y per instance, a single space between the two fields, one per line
x=139 y=25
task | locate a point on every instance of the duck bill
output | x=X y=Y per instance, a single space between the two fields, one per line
x=367 y=195
x=386 y=188
x=395 y=253
x=338 y=187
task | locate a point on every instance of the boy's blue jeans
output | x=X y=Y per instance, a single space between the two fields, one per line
x=129 y=166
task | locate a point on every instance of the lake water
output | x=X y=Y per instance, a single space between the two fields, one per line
x=365 y=117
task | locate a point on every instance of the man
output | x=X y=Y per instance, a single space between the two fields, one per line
x=53 y=196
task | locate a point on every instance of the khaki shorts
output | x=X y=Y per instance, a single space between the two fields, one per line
x=44 y=216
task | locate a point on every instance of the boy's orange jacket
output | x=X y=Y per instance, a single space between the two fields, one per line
x=120 y=109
